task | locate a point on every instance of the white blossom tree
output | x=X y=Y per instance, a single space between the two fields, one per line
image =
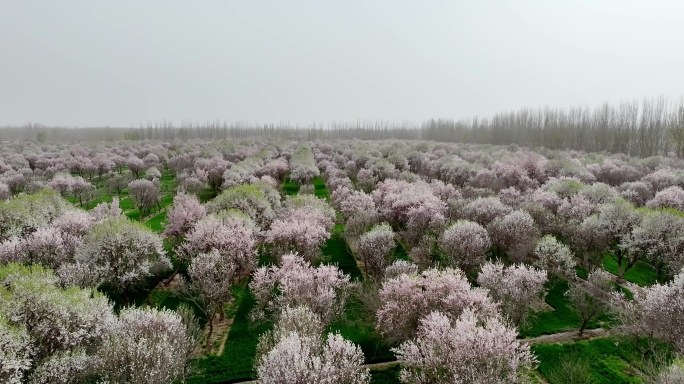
x=375 y=249
x=515 y=233
x=211 y=281
x=464 y=245
x=554 y=257
x=146 y=346
x=122 y=253
x=295 y=352
x=519 y=288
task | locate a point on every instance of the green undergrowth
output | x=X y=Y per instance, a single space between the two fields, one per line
x=400 y=252
x=320 y=190
x=358 y=326
x=157 y=222
x=562 y=318
x=386 y=376
x=335 y=251
x=290 y=187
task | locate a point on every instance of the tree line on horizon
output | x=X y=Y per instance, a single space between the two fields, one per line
x=648 y=128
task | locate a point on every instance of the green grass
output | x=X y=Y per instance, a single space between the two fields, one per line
x=156 y=223
x=206 y=195
x=400 y=252
x=290 y=187
x=386 y=376
x=237 y=361
x=581 y=272
x=610 y=361
x=358 y=326
x=335 y=251
x=320 y=190
x=641 y=273
x=133 y=214
x=561 y=319
x=126 y=204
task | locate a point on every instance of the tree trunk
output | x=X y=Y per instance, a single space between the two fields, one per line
x=211 y=330
x=583 y=326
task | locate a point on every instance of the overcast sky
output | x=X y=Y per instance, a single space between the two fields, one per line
x=126 y=62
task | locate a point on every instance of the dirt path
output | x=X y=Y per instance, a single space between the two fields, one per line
x=568 y=337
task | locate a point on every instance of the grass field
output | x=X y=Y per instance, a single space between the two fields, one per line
x=641 y=273
x=606 y=361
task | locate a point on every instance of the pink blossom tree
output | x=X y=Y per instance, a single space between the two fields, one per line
x=297 y=358
x=409 y=206
x=468 y=349
x=116 y=183
x=576 y=208
x=103 y=164
x=4 y=191
x=406 y=298
x=296 y=282
x=671 y=197
x=400 y=267
x=484 y=210
x=183 y=215
x=231 y=234
x=214 y=168
x=304 y=236
x=145 y=194
x=656 y=311
x=135 y=165
x=82 y=190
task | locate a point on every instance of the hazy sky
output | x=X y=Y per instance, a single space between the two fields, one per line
x=127 y=62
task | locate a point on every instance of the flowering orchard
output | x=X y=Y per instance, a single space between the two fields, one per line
x=345 y=261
